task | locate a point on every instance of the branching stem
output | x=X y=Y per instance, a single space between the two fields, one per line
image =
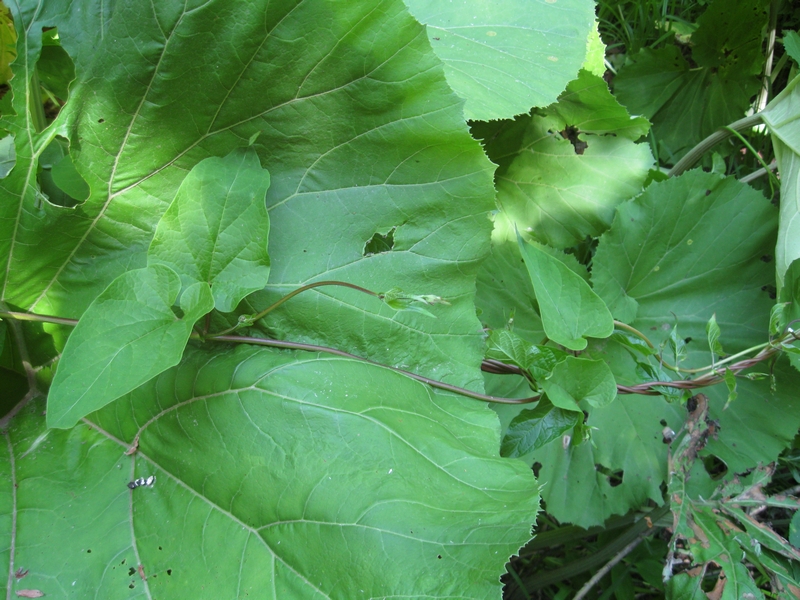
x=291 y=295
x=714 y=376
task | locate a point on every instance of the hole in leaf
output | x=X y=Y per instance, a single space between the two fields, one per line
x=537 y=466
x=766 y=258
x=131 y=571
x=169 y=572
x=380 y=243
x=56 y=71
x=58 y=178
x=687 y=340
x=715 y=467
x=571 y=134
x=614 y=477
x=131 y=586
x=438 y=556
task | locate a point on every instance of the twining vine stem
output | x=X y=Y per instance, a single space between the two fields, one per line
x=713 y=375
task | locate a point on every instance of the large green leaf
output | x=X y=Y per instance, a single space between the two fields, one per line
x=277 y=475
x=781 y=116
x=690 y=247
x=216 y=229
x=357 y=127
x=557 y=190
x=508 y=55
x=570 y=309
x=686 y=101
x=686 y=249
x=620 y=469
x=127 y=335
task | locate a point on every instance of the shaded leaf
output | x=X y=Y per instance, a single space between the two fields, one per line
x=127 y=335
x=216 y=229
x=684 y=104
x=500 y=57
x=533 y=428
x=791 y=42
x=570 y=310
x=510 y=348
x=554 y=193
x=504 y=295
x=588 y=105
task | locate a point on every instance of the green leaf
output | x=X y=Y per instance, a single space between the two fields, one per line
x=595 y=52
x=713 y=333
x=626 y=440
x=791 y=42
x=575 y=380
x=684 y=104
x=780 y=117
x=68 y=179
x=759 y=425
x=504 y=294
x=7 y=155
x=127 y=335
x=533 y=428
x=499 y=57
x=570 y=310
x=690 y=247
x=270 y=471
x=778 y=317
x=794 y=530
x=509 y=347
x=389 y=149
x=588 y=105
x=560 y=190
x=216 y=229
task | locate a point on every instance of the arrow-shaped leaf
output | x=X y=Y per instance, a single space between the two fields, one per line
x=128 y=335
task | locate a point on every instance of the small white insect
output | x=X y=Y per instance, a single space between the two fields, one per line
x=146 y=481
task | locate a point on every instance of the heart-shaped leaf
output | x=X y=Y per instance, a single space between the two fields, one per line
x=129 y=334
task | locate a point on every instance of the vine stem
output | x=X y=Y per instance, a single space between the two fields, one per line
x=696 y=153
x=314 y=348
x=767 y=350
x=294 y=293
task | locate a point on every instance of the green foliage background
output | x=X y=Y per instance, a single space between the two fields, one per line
x=170 y=172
